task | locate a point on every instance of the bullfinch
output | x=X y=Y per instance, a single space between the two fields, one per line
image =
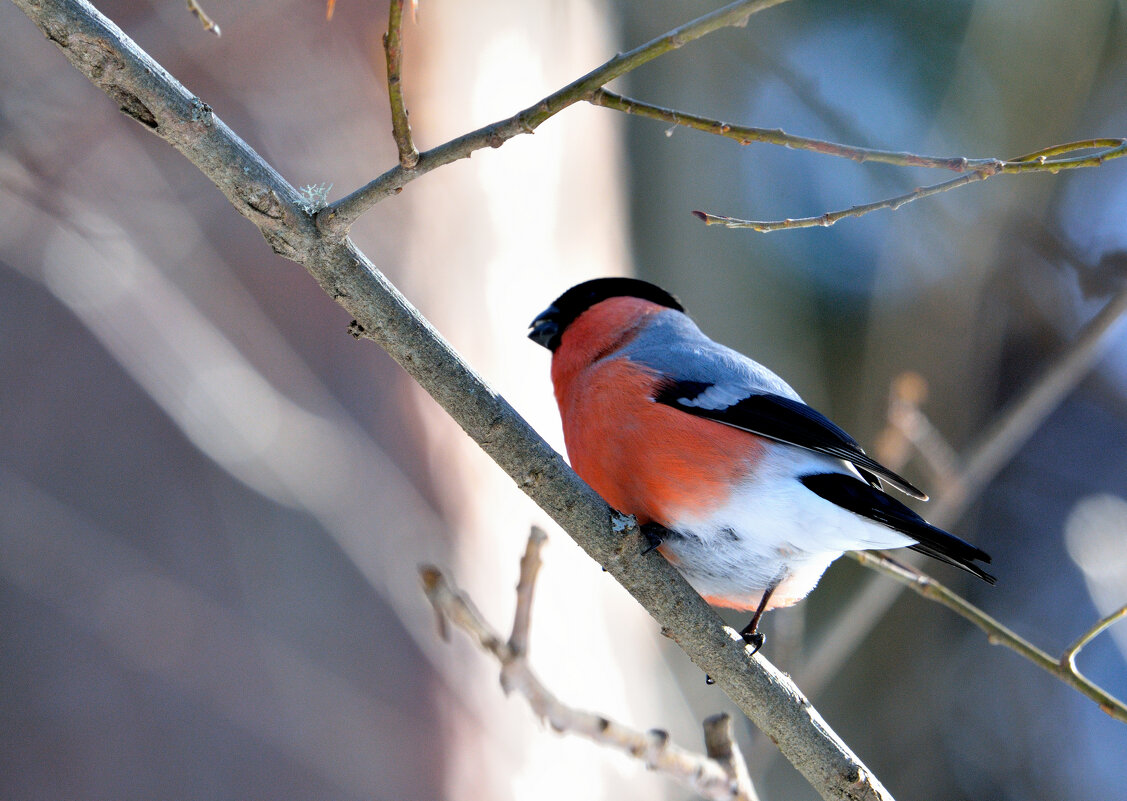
x=748 y=491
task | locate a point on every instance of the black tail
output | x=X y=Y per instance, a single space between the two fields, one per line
x=850 y=492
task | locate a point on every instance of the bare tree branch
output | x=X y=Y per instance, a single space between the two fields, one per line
x=1068 y=658
x=829 y=218
x=714 y=778
x=393 y=49
x=998 y=634
x=720 y=744
x=746 y=134
x=146 y=92
x=338 y=217
x=529 y=568
x=1040 y=161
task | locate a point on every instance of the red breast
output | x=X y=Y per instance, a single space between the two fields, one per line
x=645 y=458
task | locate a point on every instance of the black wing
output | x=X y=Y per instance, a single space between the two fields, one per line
x=849 y=493
x=785 y=420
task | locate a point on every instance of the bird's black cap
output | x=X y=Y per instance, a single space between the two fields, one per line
x=550 y=324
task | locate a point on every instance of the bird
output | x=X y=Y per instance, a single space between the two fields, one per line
x=748 y=492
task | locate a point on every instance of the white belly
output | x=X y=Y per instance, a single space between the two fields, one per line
x=772 y=532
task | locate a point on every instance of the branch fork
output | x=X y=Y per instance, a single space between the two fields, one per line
x=721 y=775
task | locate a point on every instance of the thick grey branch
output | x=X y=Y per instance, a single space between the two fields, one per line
x=99 y=50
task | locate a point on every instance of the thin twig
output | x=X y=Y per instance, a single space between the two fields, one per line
x=207 y=22
x=720 y=744
x=1068 y=658
x=710 y=778
x=1039 y=161
x=529 y=568
x=997 y=633
x=393 y=49
x=832 y=217
x=745 y=135
x=338 y=217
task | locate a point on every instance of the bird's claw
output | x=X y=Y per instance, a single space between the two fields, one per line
x=755 y=639
x=652 y=532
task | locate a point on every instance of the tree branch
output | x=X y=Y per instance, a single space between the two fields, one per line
x=829 y=218
x=978 y=169
x=713 y=778
x=1063 y=668
x=529 y=569
x=1038 y=161
x=146 y=92
x=340 y=216
x=720 y=744
x=393 y=49
x=1068 y=658
x=746 y=134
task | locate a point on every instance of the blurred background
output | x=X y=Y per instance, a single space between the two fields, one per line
x=213 y=500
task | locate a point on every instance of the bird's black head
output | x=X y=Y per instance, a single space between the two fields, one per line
x=550 y=324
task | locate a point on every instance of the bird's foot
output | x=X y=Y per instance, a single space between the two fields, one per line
x=755 y=639
x=655 y=534
x=751 y=632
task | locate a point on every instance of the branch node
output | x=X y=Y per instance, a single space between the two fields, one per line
x=201 y=112
x=314 y=197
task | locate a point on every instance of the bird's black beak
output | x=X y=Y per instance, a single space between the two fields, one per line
x=546 y=329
